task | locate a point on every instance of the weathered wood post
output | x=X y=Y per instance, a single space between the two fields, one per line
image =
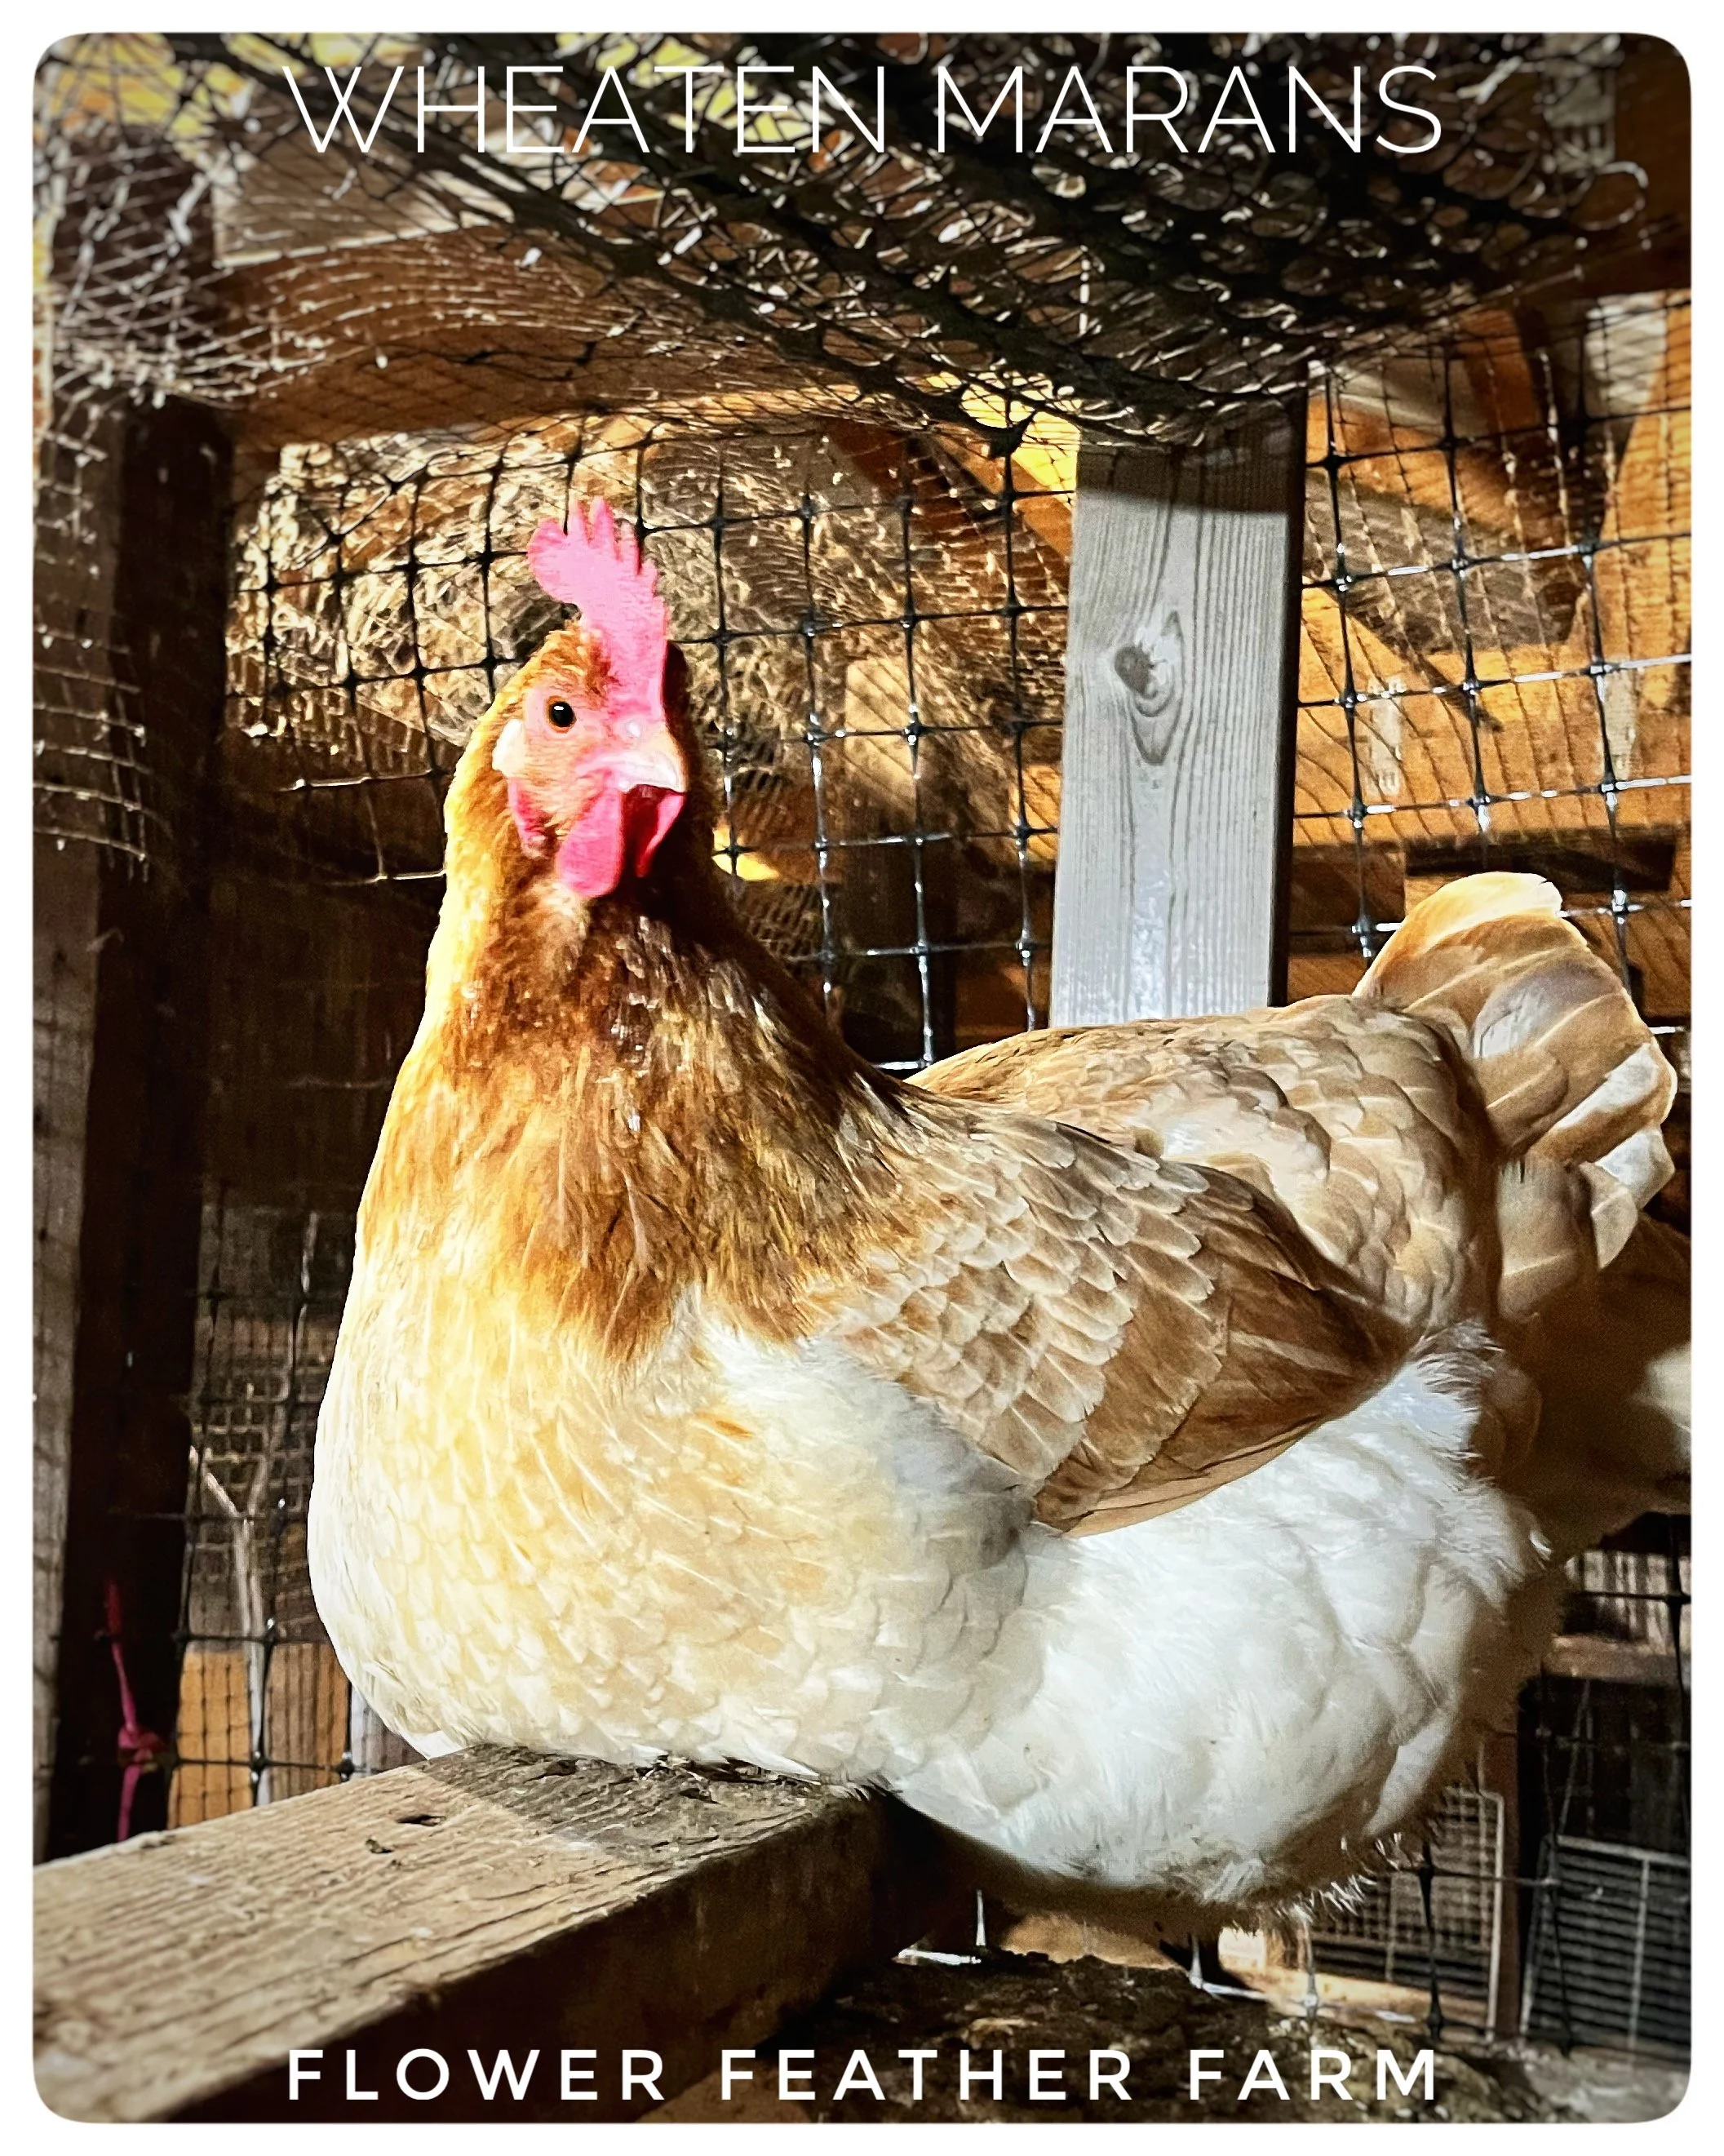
x=127 y=1368
x=1182 y=652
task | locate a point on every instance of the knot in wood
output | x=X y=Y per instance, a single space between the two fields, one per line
x=1152 y=666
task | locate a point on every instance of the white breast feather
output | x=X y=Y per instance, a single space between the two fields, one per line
x=820 y=1589
x=1233 y=1697
x=1220 y=1704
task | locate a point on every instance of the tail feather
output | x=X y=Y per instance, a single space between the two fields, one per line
x=1611 y=1360
x=1573 y=1083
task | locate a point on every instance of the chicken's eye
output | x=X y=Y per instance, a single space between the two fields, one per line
x=560 y=714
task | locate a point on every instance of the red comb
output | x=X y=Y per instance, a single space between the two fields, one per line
x=596 y=568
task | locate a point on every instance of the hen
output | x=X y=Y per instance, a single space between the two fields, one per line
x=1110 y=1443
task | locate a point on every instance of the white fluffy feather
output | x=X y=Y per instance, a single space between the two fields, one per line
x=1205 y=1709
x=1250 y=1692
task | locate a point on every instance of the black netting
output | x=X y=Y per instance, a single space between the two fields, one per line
x=1495 y=654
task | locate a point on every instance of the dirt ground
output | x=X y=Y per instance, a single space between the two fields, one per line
x=1008 y=2005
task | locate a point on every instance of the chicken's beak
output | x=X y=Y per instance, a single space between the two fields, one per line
x=644 y=755
x=640 y=779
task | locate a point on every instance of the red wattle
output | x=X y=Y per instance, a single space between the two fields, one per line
x=615 y=832
x=590 y=859
x=649 y=812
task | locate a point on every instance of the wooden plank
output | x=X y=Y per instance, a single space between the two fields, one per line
x=1180 y=668
x=132 y=1358
x=67 y=892
x=493 y=1899
x=1606 y=1661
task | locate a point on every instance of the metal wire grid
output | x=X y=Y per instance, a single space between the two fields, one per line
x=874 y=630
x=197 y=245
x=1605 y=1812
x=1595 y=1912
x=1610 y=1959
x=1495 y=669
x=1612 y=1757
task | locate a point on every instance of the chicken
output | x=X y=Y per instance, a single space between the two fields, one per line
x=1108 y=1443
x=1611 y=1363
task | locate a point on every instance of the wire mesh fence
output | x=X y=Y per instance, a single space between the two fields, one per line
x=1494 y=668
x=868 y=574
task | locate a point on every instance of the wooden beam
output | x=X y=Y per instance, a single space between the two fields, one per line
x=131 y=1360
x=67 y=893
x=1181 y=659
x=493 y=1900
x=1595 y=1656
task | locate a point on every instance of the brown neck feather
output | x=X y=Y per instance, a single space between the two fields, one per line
x=637 y=1095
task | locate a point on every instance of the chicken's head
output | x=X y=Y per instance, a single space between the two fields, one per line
x=595 y=775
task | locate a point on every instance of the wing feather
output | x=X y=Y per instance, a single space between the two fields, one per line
x=1124 y=1332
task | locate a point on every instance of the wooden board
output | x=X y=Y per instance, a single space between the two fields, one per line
x=65 y=924
x=1178 y=693
x=132 y=1358
x=492 y=1899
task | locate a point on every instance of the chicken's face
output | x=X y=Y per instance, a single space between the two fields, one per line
x=596 y=776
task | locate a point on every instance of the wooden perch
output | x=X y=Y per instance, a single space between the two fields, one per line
x=492 y=1901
